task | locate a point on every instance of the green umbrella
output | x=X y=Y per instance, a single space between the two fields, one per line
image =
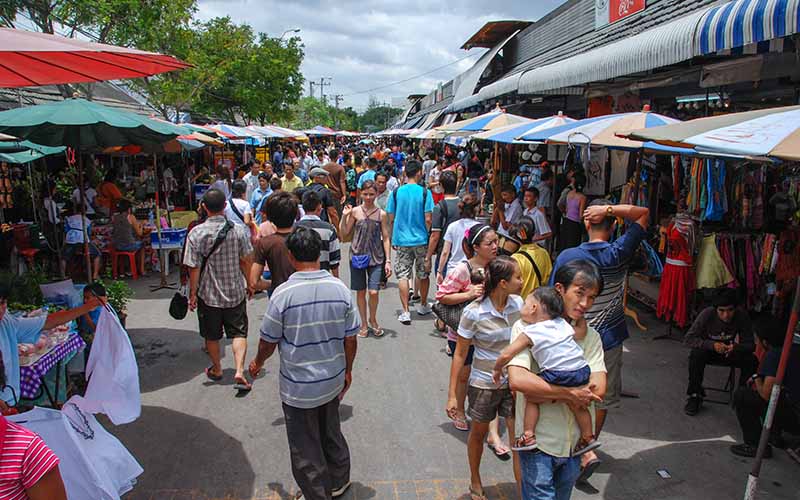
x=26 y=151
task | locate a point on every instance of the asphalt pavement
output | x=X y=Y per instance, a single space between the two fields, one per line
x=201 y=440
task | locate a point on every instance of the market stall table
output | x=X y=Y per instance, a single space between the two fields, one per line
x=32 y=375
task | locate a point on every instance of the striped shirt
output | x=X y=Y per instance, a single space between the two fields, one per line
x=607 y=314
x=331 y=253
x=309 y=317
x=25 y=459
x=490 y=332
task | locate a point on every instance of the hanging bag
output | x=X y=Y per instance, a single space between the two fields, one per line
x=450 y=314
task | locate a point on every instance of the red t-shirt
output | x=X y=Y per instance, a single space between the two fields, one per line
x=24 y=460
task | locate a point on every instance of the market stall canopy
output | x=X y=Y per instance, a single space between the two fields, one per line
x=36 y=59
x=434 y=135
x=487 y=121
x=319 y=130
x=85 y=124
x=509 y=133
x=276 y=132
x=26 y=151
x=204 y=130
x=773 y=132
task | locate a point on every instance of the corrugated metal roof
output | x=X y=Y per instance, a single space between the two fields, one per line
x=466 y=82
x=662 y=46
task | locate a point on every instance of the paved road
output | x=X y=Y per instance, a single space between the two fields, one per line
x=197 y=440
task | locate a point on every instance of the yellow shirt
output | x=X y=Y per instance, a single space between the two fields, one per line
x=290 y=185
x=542 y=259
x=557 y=431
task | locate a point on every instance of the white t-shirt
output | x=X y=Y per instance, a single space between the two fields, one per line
x=252 y=183
x=539 y=221
x=455 y=235
x=222 y=186
x=554 y=346
x=75 y=229
x=89 y=195
x=512 y=213
x=242 y=206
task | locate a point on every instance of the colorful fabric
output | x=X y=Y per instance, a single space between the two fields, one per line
x=30 y=376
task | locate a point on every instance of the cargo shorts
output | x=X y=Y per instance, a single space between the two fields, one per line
x=409 y=258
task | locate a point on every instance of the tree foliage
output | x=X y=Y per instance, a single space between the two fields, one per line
x=310 y=112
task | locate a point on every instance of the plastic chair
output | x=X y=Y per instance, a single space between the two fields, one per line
x=115 y=255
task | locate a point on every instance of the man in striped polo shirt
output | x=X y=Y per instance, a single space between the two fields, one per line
x=331 y=253
x=313 y=321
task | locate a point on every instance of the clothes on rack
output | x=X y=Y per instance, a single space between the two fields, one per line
x=678 y=279
x=717 y=204
x=711 y=270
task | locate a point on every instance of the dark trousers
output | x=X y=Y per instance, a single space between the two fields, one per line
x=751 y=409
x=699 y=358
x=319 y=452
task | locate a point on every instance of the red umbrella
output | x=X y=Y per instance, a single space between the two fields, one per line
x=33 y=59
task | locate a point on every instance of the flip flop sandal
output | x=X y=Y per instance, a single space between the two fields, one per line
x=377 y=332
x=525 y=443
x=243 y=387
x=477 y=495
x=588 y=470
x=363 y=333
x=585 y=447
x=496 y=450
x=211 y=376
x=460 y=423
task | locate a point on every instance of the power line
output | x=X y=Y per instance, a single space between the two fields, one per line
x=411 y=78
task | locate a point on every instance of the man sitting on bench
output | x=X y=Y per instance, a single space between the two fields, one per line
x=720 y=335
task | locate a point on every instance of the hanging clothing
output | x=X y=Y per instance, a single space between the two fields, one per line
x=711 y=270
x=93 y=463
x=112 y=372
x=717 y=204
x=677 y=280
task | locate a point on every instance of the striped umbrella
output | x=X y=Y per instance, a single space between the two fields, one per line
x=773 y=132
x=509 y=134
x=487 y=121
x=433 y=134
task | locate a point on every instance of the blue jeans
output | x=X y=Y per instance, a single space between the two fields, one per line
x=545 y=477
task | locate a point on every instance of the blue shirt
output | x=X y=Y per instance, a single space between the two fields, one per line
x=13 y=331
x=367 y=175
x=791 y=379
x=607 y=314
x=409 y=215
x=256 y=199
x=309 y=316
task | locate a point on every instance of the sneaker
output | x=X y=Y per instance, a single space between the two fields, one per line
x=748 y=451
x=693 y=405
x=405 y=318
x=424 y=309
x=340 y=491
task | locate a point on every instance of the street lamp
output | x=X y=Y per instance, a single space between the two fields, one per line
x=294 y=30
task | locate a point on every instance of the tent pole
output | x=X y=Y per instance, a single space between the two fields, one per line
x=82 y=191
x=162 y=256
x=752 y=478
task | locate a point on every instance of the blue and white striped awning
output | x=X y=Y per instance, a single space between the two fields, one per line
x=743 y=22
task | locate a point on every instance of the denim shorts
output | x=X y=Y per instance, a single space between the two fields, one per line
x=71 y=249
x=135 y=246
x=366 y=279
x=567 y=378
x=470 y=353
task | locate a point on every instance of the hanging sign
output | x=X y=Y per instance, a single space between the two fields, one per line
x=611 y=11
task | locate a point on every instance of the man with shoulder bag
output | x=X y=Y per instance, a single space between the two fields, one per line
x=219 y=255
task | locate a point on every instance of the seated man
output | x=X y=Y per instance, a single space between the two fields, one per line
x=720 y=335
x=751 y=402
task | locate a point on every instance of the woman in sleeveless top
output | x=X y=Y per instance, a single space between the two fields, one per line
x=370 y=254
x=126 y=233
x=572 y=207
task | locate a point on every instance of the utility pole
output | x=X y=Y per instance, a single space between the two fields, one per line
x=337 y=99
x=311 y=88
x=322 y=84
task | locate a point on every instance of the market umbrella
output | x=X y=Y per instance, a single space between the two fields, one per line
x=82 y=125
x=432 y=134
x=320 y=130
x=509 y=133
x=487 y=121
x=35 y=59
x=26 y=151
x=773 y=132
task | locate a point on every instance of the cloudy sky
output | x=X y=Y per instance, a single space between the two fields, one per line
x=365 y=44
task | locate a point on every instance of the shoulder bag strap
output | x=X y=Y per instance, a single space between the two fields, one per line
x=533 y=263
x=236 y=210
x=221 y=235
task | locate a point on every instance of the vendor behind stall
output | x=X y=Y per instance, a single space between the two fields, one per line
x=74 y=238
x=127 y=233
x=108 y=194
x=16 y=330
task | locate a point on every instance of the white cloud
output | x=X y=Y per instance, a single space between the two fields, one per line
x=364 y=44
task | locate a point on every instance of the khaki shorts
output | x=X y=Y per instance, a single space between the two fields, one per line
x=486 y=404
x=613 y=360
x=409 y=258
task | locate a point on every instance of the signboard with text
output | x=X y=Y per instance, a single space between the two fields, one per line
x=611 y=11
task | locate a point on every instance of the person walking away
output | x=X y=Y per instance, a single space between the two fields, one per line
x=350 y=179
x=409 y=209
x=271 y=250
x=260 y=196
x=74 y=224
x=277 y=158
x=720 y=335
x=551 y=471
x=370 y=254
x=219 y=254
x=290 y=181
x=507 y=214
x=486 y=324
x=542 y=231
x=127 y=233
x=251 y=178
x=453 y=250
x=319 y=179
x=461 y=285
x=534 y=261
x=337 y=183
x=238 y=210
x=445 y=213
x=331 y=253
x=607 y=315
x=572 y=205
x=312 y=321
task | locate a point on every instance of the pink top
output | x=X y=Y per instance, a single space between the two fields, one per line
x=574 y=209
x=456 y=281
x=24 y=460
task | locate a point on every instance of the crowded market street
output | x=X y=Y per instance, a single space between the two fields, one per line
x=198 y=441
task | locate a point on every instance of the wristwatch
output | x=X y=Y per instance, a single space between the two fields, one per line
x=610 y=210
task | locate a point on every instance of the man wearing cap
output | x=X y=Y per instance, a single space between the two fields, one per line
x=319 y=177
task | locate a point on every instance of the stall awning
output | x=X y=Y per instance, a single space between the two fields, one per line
x=500 y=87
x=743 y=22
x=466 y=82
x=664 y=45
x=430 y=119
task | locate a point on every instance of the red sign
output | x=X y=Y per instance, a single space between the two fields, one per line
x=620 y=9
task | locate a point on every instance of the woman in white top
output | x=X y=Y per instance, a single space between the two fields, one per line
x=452 y=250
x=74 y=226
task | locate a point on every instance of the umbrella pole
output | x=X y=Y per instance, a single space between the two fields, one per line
x=752 y=478
x=81 y=190
x=33 y=192
x=162 y=255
